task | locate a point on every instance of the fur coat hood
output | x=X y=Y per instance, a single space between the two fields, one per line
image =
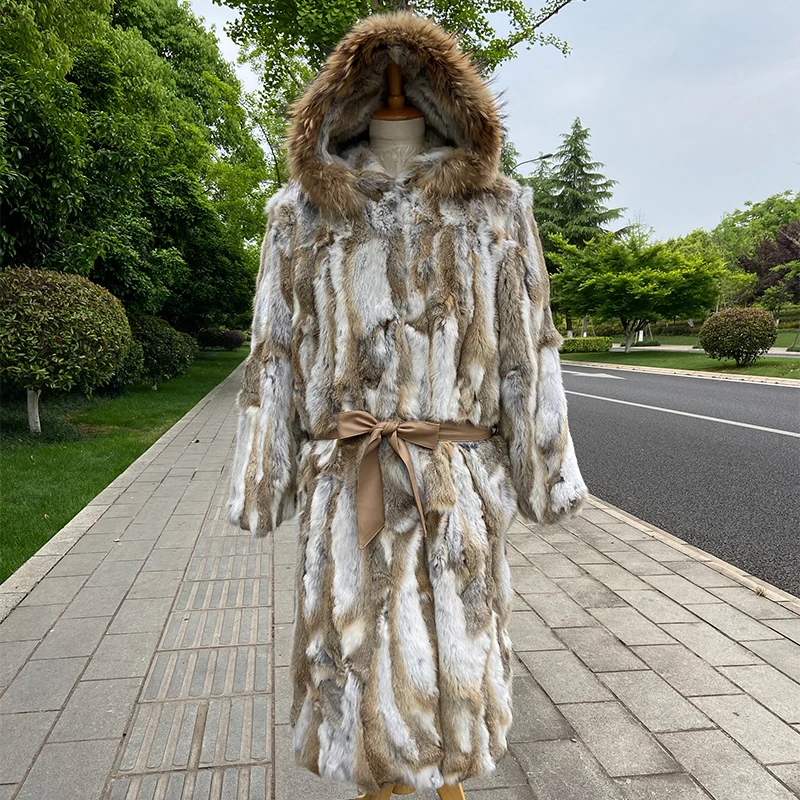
x=423 y=296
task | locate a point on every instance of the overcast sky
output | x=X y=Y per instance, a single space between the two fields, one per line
x=694 y=105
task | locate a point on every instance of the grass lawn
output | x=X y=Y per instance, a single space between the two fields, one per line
x=85 y=443
x=772 y=367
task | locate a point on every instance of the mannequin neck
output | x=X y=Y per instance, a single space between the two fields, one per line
x=394 y=141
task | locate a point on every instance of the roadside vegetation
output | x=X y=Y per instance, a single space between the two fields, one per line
x=85 y=443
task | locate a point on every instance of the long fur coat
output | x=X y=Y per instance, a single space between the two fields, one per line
x=418 y=297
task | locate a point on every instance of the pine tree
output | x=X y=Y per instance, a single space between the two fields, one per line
x=570 y=194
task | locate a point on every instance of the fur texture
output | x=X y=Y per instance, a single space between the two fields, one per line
x=422 y=297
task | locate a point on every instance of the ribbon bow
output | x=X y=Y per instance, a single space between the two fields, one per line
x=369 y=495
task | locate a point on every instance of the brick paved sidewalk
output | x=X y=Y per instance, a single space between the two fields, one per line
x=151 y=662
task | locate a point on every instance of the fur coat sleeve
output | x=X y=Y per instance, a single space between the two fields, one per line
x=269 y=434
x=533 y=405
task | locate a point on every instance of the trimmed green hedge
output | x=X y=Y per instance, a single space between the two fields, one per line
x=59 y=331
x=587 y=344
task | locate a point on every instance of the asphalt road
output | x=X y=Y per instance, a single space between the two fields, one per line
x=730 y=489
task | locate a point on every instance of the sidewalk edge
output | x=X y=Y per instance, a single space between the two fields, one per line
x=757 y=585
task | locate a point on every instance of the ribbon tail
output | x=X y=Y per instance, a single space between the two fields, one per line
x=369 y=495
x=402 y=450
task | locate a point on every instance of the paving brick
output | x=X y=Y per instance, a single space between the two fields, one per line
x=681 y=590
x=156 y=584
x=97 y=710
x=656 y=607
x=218 y=627
x=660 y=551
x=581 y=553
x=684 y=671
x=96 y=601
x=42 y=685
x=722 y=767
x=639 y=563
x=564 y=677
x=677 y=786
x=250 y=782
x=77 y=564
x=508 y=774
x=115 y=573
x=283 y=645
x=142 y=615
x=29 y=623
x=167 y=559
x=529 y=544
x=659 y=707
x=208 y=672
x=536 y=717
x=122 y=655
x=530 y=580
x=782 y=654
x=770 y=687
x=559 y=610
x=555 y=565
x=511 y=793
x=790 y=628
x=254 y=565
x=564 y=770
x=711 y=645
x=94 y=543
x=703 y=575
x=528 y=632
x=789 y=774
x=618 y=741
x=630 y=626
x=54 y=591
x=732 y=622
x=15 y=654
x=284 y=606
x=625 y=532
x=135 y=550
x=759 y=731
x=72 y=637
x=70 y=771
x=144 y=531
x=588 y=592
x=748 y=601
x=600 y=650
x=615 y=577
x=22 y=737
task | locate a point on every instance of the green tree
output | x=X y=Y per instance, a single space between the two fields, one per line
x=306 y=31
x=126 y=156
x=571 y=195
x=632 y=280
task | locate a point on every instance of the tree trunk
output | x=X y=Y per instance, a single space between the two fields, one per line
x=585 y=327
x=630 y=335
x=796 y=337
x=34 y=424
x=568 y=314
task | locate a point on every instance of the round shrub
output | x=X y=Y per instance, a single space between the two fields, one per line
x=742 y=334
x=167 y=352
x=587 y=344
x=130 y=370
x=231 y=340
x=59 y=331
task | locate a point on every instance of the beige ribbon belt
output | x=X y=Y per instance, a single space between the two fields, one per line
x=369 y=495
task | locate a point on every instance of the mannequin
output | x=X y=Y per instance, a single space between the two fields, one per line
x=396 y=133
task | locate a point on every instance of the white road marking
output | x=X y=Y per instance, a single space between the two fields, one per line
x=594 y=374
x=688 y=414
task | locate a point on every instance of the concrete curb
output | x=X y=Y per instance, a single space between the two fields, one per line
x=17 y=586
x=758 y=586
x=688 y=373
